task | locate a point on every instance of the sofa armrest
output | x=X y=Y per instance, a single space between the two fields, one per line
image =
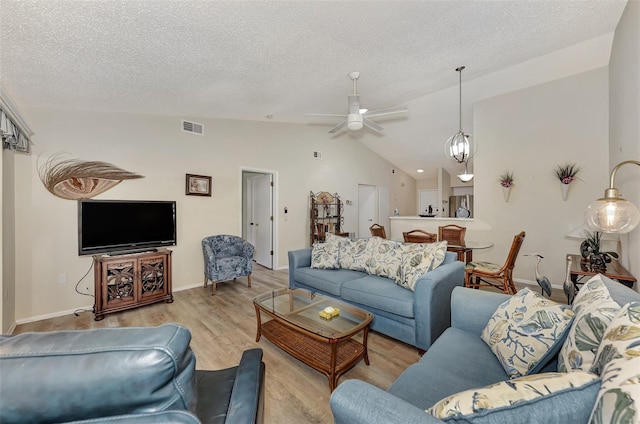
x=357 y=402
x=471 y=308
x=247 y=397
x=432 y=305
x=298 y=259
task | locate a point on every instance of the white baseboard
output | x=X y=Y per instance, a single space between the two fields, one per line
x=71 y=311
x=535 y=283
x=12 y=328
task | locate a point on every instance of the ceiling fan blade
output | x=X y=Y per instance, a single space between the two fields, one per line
x=339 y=126
x=370 y=124
x=385 y=112
x=331 y=115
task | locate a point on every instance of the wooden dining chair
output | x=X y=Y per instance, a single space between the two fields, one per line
x=377 y=230
x=479 y=274
x=454 y=236
x=419 y=236
x=452 y=233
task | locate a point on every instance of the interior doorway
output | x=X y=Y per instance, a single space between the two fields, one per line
x=367 y=209
x=258 y=223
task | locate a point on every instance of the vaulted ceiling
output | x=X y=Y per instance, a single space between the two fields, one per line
x=247 y=60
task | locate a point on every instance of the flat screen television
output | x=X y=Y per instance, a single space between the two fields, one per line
x=122 y=226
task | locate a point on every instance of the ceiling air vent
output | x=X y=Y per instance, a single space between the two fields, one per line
x=317 y=155
x=192 y=127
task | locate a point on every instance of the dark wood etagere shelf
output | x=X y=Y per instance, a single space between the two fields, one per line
x=326 y=211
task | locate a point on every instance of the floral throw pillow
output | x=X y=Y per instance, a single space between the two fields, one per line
x=526 y=331
x=354 y=254
x=323 y=256
x=618 y=364
x=522 y=397
x=385 y=259
x=594 y=309
x=418 y=259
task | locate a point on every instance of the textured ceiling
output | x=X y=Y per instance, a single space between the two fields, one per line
x=246 y=60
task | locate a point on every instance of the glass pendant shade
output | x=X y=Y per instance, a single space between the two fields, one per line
x=466 y=176
x=613 y=213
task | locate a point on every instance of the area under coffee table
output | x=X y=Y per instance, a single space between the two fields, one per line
x=297 y=328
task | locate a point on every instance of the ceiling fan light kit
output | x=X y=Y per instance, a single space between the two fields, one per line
x=355 y=121
x=358 y=117
x=459 y=146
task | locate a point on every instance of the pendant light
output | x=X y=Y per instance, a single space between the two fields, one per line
x=459 y=146
x=466 y=176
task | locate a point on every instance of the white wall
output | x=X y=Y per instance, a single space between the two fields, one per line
x=624 y=121
x=529 y=132
x=154 y=146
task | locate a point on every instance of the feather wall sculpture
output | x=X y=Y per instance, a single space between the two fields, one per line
x=75 y=179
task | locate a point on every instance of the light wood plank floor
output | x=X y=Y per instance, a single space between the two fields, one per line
x=224 y=325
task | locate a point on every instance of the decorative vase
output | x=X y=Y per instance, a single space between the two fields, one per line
x=565 y=190
x=597 y=261
x=506 y=192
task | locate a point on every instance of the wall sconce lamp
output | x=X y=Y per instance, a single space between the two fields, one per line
x=613 y=213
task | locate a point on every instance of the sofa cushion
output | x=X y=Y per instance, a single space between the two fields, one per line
x=417 y=260
x=594 y=309
x=385 y=257
x=459 y=360
x=528 y=399
x=380 y=293
x=326 y=280
x=324 y=256
x=526 y=332
x=618 y=364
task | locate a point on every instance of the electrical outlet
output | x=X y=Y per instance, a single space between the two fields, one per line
x=62 y=278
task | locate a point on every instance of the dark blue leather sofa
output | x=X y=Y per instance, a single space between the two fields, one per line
x=133 y=375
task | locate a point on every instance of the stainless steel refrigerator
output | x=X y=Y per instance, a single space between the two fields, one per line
x=461 y=206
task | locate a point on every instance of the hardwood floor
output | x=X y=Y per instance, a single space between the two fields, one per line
x=224 y=325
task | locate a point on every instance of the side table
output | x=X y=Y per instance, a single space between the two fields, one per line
x=614 y=270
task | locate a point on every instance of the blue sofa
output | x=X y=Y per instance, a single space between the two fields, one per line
x=460 y=360
x=123 y=375
x=414 y=317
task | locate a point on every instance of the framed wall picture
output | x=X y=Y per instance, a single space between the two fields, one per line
x=198 y=185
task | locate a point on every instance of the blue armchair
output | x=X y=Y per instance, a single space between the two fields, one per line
x=226 y=257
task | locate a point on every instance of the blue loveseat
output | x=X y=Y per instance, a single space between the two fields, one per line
x=415 y=317
x=460 y=360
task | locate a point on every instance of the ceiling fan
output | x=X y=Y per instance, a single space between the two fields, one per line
x=358 y=118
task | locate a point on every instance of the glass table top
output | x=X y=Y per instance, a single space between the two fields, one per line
x=302 y=308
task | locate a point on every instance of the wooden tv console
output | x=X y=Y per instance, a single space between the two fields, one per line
x=128 y=281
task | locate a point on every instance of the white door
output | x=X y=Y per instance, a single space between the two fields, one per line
x=426 y=198
x=262 y=213
x=367 y=209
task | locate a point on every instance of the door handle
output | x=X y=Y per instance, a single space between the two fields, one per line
x=369 y=220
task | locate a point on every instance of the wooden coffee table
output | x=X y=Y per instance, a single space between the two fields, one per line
x=296 y=327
